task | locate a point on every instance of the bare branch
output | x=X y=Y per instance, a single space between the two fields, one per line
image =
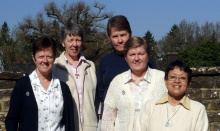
x=53 y=12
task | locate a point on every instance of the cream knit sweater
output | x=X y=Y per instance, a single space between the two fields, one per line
x=119 y=108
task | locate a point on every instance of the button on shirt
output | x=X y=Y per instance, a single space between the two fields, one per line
x=138 y=91
x=50 y=104
x=76 y=73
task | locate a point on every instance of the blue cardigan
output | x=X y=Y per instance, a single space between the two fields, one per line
x=23 y=111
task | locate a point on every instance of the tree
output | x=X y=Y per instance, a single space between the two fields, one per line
x=189 y=32
x=150 y=39
x=54 y=17
x=187 y=39
x=169 y=44
x=205 y=54
x=7 y=50
x=4 y=34
x=152 y=45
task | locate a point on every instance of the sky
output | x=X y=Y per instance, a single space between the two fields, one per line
x=157 y=16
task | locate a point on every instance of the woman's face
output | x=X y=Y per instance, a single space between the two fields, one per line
x=72 y=45
x=137 y=59
x=119 y=38
x=44 y=60
x=177 y=82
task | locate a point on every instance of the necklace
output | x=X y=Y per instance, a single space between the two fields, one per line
x=168 y=119
x=77 y=75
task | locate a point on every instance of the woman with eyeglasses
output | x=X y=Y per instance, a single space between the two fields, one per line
x=174 y=111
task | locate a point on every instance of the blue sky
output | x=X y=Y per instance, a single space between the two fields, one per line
x=155 y=15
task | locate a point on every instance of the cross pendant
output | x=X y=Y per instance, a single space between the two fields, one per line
x=167 y=124
x=77 y=75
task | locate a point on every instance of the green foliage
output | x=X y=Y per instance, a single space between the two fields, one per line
x=197 y=45
x=169 y=44
x=152 y=45
x=174 y=31
x=7 y=50
x=150 y=39
x=204 y=54
x=4 y=34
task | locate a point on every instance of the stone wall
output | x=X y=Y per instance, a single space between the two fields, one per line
x=205 y=88
x=7 y=82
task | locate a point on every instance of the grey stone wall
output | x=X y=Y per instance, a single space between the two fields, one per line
x=205 y=88
x=7 y=82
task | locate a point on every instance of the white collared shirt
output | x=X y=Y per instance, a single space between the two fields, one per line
x=50 y=104
x=138 y=91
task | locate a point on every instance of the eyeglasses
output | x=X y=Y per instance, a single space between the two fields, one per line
x=181 y=78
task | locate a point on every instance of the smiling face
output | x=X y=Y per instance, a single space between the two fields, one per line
x=72 y=45
x=44 y=60
x=137 y=59
x=177 y=83
x=118 y=39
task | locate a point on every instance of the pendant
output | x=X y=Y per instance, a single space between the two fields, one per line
x=77 y=75
x=167 y=124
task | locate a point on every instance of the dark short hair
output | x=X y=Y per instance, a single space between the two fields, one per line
x=182 y=66
x=43 y=43
x=135 y=42
x=71 y=29
x=118 y=22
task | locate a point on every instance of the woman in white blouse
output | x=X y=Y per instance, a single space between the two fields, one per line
x=130 y=89
x=41 y=102
x=174 y=111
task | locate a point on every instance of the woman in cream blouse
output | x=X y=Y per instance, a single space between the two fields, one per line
x=174 y=111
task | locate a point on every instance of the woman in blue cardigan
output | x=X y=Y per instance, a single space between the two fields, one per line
x=41 y=102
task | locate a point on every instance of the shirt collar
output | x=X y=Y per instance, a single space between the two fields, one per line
x=185 y=101
x=35 y=81
x=81 y=58
x=146 y=77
